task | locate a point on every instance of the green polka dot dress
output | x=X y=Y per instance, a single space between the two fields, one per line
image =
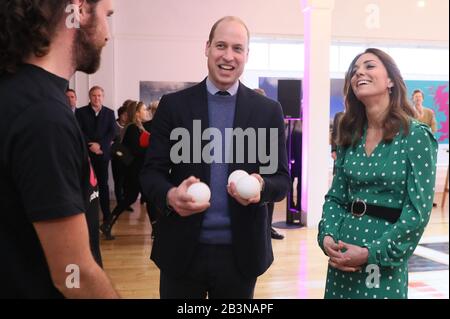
x=400 y=175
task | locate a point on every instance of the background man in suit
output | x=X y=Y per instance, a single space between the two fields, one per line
x=99 y=128
x=72 y=99
x=424 y=114
x=217 y=248
x=333 y=137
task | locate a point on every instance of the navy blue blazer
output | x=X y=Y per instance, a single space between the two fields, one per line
x=101 y=129
x=177 y=239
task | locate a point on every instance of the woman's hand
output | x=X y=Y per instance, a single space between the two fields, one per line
x=355 y=255
x=350 y=261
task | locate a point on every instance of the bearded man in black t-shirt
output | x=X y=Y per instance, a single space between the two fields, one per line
x=46 y=181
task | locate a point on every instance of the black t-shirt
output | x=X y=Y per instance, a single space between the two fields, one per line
x=44 y=174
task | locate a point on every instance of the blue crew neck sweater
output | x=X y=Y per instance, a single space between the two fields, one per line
x=216 y=222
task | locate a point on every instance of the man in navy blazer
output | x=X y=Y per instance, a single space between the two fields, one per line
x=98 y=125
x=219 y=248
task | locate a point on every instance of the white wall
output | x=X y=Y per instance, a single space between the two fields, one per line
x=163 y=40
x=400 y=21
x=193 y=18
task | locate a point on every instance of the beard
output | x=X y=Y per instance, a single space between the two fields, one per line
x=87 y=52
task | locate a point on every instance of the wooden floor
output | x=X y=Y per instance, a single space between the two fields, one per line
x=299 y=269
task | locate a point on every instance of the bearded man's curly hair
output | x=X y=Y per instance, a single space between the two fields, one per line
x=27 y=27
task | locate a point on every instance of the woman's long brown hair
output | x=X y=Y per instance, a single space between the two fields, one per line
x=400 y=111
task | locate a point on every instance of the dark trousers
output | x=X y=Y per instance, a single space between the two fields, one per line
x=93 y=223
x=131 y=190
x=212 y=273
x=153 y=212
x=270 y=207
x=100 y=167
x=118 y=171
x=131 y=185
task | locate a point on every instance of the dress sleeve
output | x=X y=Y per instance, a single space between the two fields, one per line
x=398 y=243
x=335 y=206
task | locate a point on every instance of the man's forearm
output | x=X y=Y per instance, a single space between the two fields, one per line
x=94 y=284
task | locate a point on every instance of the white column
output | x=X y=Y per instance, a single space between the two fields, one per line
x=316 y=108
x=80 y=83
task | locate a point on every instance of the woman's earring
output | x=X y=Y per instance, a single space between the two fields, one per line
x=390 y=90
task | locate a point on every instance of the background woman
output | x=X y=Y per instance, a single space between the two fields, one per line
x=136 y=140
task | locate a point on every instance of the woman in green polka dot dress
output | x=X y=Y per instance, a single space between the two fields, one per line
x=382 y=194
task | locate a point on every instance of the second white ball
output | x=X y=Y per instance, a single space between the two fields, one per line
x=248 y=187
x=236 y=176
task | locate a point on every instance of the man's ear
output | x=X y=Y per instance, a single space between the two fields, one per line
x=207 y=46
x=81 y=5
x=75 y=14
x=78 y=3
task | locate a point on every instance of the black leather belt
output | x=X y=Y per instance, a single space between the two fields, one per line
x=359 y=208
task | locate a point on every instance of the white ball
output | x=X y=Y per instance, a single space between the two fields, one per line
x=200 y=192
x=248 y=187
x=236 y=176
